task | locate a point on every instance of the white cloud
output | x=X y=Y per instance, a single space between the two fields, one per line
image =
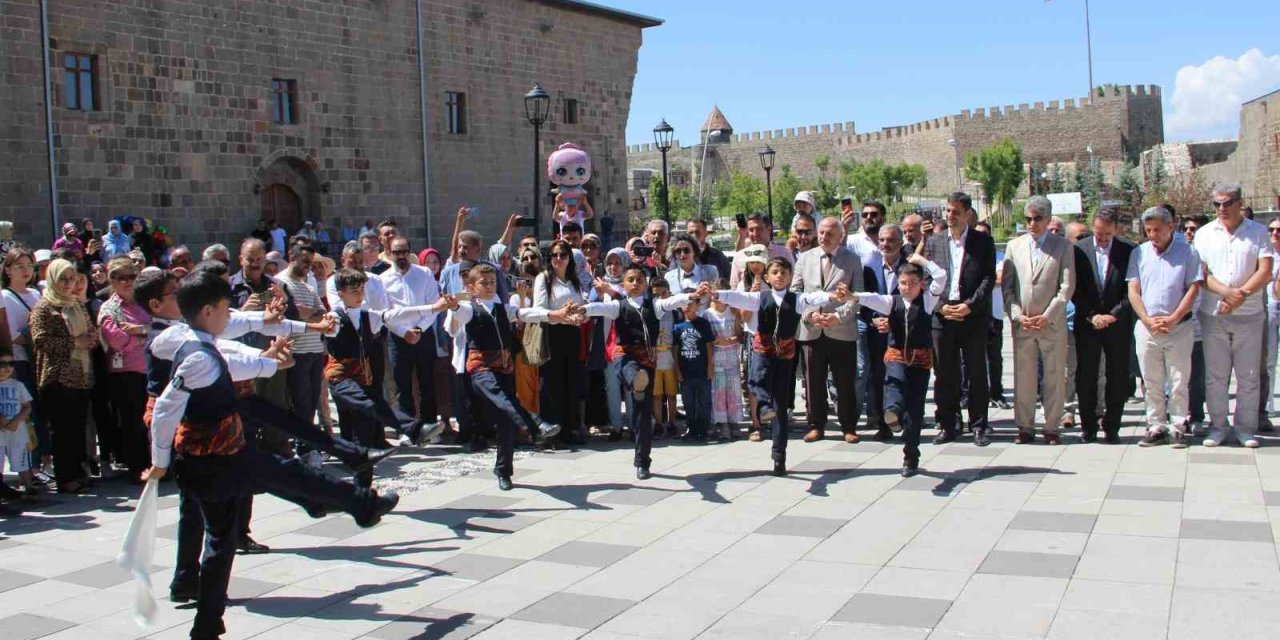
x=1207 y=97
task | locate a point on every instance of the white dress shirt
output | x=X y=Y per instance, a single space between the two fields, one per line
x=197 y=371
x=863 y=245
x=1232 y=258
x=398 y=320
x=1101 y=260
x=956 y=248
x=375 y=294
x=413 y=288
x=883 y=302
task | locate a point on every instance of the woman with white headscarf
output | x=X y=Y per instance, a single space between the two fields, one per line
x=63 y=335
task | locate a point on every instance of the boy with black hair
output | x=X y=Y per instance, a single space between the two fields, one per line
x=693 y=337
x=197 y=417
x=909 y=355
x=637 y=323
x=349 y=344
x=484 y=323
x=773 y=350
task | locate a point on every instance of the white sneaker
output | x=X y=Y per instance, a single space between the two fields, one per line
x=1251 y=443
x=405 y=441
x=1217 y=436
x=430 y=431
x=547 y=431
x=1209 y=442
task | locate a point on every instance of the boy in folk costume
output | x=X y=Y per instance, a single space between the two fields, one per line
x=484 y=323
x=636 y=322
x=773 y=350
x=197 y=429
x=909 y=356
x=361 y=409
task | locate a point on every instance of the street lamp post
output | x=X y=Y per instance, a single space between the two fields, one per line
x=766 y=162
x=662 y=138
x=953 y=145
x=537 y=103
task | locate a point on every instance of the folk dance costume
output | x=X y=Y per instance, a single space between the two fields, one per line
x=908 y=359
x=361 y=409
x=772 y=372
x=636 y=326
x=198 y=418
x=487 y=359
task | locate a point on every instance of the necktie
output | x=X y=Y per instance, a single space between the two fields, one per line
x=826 y=268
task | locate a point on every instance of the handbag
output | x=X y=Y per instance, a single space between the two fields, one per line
x=534 y=341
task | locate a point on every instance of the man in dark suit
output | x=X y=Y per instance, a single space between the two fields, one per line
x=880 y=275
x=960 y=322
x=1103 y=324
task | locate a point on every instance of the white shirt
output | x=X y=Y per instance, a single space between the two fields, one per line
x=278 y=236
x=956 y=248
x=197 y=371
x=883 y=303
x=750 y=300
x=561 y=292
x=463 y=316
x=19 y=315
x=398 y=320
x=1101 y=260
x=863 y=245
x=1232 y=258
x=413 y=288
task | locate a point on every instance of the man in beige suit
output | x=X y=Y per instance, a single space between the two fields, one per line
x=1038 y=280
x=828 y=336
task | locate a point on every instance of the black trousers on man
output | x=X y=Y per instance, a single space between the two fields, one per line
x=304 y=379
x=840 y=358
x=407 y=360
x=877 y=343
x=1091 y=344
x=960 y=345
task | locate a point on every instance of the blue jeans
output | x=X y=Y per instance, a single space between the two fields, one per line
x=697 y=404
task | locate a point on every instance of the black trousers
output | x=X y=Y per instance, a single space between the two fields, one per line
x=191 y=529
x=258 y=413
x=562 y=378
x=877 y=343
x=218 y=484
x=840 y=358
x=995 y=358
x=1195 y=384
x=352 y=397
x=1090 y=345
x=768 y=381
x=129 y=399
x=68 y=411
x=960 y=345
x=104 y=417
x=503 y=410
x=641 y=410
x=904 y=391
x=407 y=360
x=304 y=388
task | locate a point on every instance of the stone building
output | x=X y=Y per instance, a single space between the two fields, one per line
x=1118 y=124
x=207 y=116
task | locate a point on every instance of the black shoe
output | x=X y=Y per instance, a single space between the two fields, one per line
x=572 y=437
x=642 y=473
x=9 y=493
x=371 y=459
x=883 y=435
x=182 y=596
x=982 y=437
x=944 y=437
x=250 y=546
x=910 y=468
x=317 y=511
x=779 y=468
x=1089 y=436
x=1111 y=438
x=382 y=505
x=504 y=483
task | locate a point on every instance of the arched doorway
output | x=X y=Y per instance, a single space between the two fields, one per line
x=280 y=205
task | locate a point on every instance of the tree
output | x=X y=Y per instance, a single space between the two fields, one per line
x=1092 y=182
x=1057 y=183
x=1159 y=180
x=1189 y=193
x=741 y=193
x=683 y=204
x=1131 y=185
x=785 y=186
x=999 y=170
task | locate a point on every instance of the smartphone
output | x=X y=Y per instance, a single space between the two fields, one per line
x=644 y=251
x=462 y=297
x=473 y=212
x=97 y=234
x=526 y=221
x=742 y=221
x=846 y=202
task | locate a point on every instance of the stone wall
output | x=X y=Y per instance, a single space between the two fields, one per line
x=1118 y=125
x=185 y=136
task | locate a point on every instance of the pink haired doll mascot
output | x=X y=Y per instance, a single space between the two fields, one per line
x=569 y=167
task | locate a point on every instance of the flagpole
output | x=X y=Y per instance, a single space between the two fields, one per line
x=1088 y=39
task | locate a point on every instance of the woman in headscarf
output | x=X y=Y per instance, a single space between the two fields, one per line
x=430 y=258
x=116 y=243
x=615 y=262
x=63 y=336
x=500 y=257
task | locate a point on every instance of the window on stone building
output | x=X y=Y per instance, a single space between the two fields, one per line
x=570 y=111
x=81 y=81
x=284 y=101
x=456 y=111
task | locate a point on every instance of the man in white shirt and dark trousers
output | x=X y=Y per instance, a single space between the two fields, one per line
x=1237 y=258
x=413 y=348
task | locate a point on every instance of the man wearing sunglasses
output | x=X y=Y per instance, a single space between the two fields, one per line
x=1237 y=258
x=1037 y=281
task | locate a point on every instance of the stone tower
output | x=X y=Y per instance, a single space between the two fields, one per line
x=708 y=158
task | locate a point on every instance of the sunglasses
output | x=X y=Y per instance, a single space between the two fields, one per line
x=1218 y=204
x=557 y=255
x=6 y=364
x=869 y=214
x=803 y=232
x=399 y=252
x=682 y=251
x=1273 y=230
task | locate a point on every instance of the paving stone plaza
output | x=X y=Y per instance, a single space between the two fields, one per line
x=1078 y=541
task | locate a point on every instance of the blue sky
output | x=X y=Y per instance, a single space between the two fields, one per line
x=779 y=64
